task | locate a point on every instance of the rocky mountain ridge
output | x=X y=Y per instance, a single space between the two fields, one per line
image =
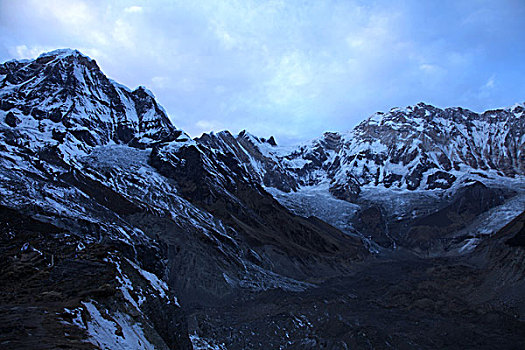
x=422 y=158
x=419 y=147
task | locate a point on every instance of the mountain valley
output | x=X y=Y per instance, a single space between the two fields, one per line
x=118 y=230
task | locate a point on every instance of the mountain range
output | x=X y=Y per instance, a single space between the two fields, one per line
x=121 y=231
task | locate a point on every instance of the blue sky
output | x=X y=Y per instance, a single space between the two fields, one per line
x=292 y=69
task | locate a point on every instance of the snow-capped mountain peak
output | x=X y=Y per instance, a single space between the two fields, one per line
x=417 y=147
x=61 y=53
x=64 y=92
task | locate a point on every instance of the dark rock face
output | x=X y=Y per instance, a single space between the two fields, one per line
x=440 y=179
x=391 y=179
x=372 y=223
x=271 y=141
x=12 y=120
x=244 y=149
x=222 y=188
x=435 y=230
x=45 y=272
x=504 y=267
x=347 y=192
x=517 y=240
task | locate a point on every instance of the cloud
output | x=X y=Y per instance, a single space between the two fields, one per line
x=209 y=125
x=486 y=90
x=124 y=33
x=73 y=13
x=430 y=68
x=291 y=73
x=160 y=82
x=22 y=51
x=25 y=52
x=289 y=68
x=490 y=83
x=133 y=9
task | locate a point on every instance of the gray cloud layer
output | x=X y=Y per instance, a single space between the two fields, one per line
x=289 y=68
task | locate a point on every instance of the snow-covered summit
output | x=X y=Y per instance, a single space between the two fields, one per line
x=61 y=53
x=64 y=92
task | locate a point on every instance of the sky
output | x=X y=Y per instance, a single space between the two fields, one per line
x=292 y=69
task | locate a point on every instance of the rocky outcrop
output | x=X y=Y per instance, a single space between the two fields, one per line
x=54 y=282
x=436 y=232
x=372 y=223
x=215 y=182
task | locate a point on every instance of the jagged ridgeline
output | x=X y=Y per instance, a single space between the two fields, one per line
x=119 y=230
